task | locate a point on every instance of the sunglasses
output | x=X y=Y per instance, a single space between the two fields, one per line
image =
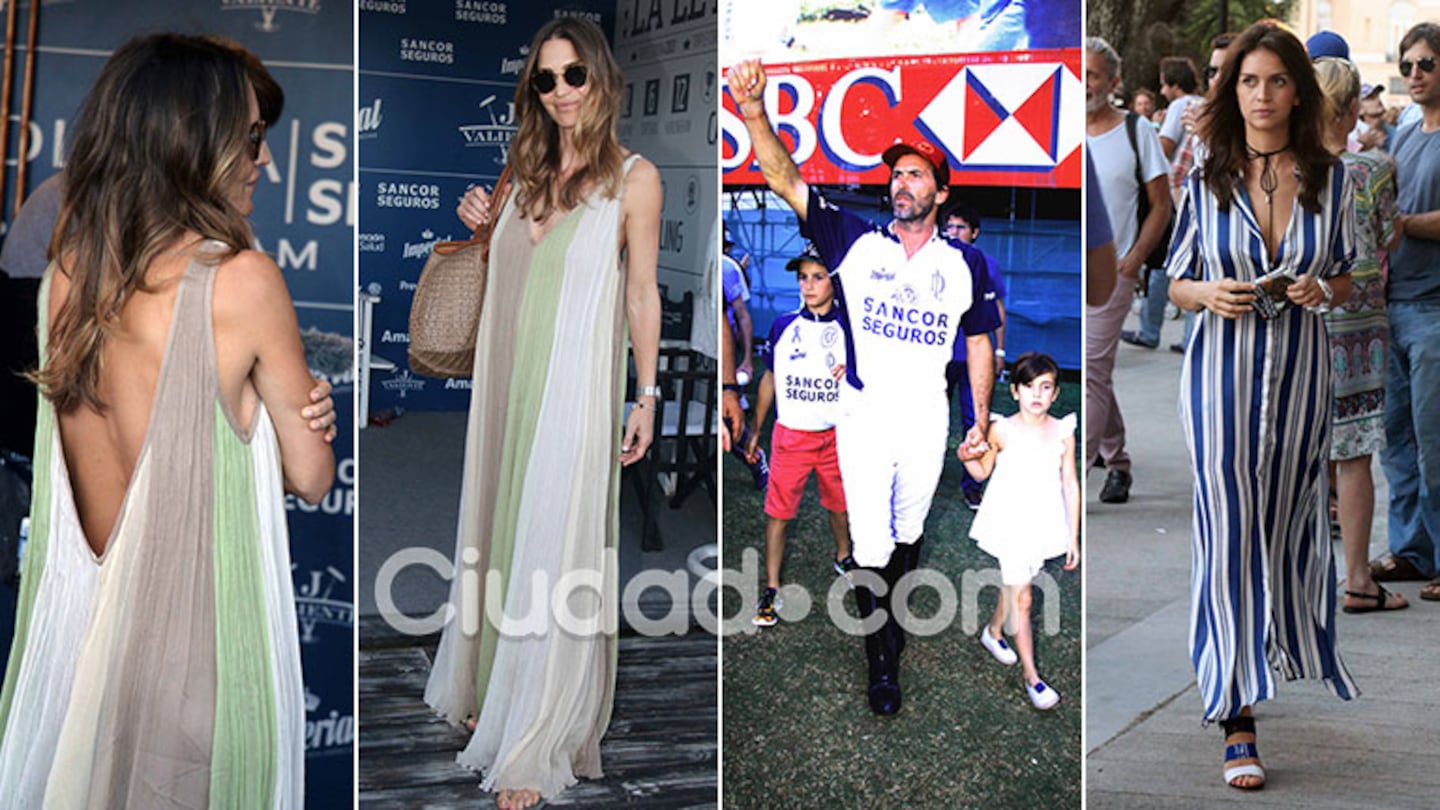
x=1425 y=63
x=256 y=139
x=1211 y=72
x=575 y=75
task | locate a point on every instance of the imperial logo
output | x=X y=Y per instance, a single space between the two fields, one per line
x=511 y=67
x=367 y=121
x=268 y=8
x=403 y=382
x=495 y=134
x=421 y=249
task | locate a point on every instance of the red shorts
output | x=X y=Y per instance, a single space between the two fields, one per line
x=793 y=454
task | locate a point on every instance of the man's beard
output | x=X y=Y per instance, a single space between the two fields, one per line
x=918 y=211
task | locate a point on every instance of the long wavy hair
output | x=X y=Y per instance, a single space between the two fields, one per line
x=1222 y=126
x=535 y=151
x=156 y=152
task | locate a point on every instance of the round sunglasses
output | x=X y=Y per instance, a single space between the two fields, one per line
x=1425 y=63
x=256 y=139
x=545 y=81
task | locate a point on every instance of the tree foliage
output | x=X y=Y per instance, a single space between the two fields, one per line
x=1145 y=31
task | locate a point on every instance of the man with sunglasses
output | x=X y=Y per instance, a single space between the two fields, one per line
x=1411 y=458
x=907 y=297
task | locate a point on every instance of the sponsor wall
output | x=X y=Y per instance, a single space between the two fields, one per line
x=304 y=218
x=435 y=117
x=997 y=115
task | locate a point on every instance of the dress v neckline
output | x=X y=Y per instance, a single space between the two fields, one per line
x=556 y=220
x=1272 y=262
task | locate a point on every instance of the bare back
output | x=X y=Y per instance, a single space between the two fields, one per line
x=102 y=450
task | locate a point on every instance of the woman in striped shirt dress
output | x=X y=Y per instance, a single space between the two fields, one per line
x=1262 y=249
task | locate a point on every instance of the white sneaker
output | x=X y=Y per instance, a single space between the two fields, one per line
x=1042 y=696
x=997 y=647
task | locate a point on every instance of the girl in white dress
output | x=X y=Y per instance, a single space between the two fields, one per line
x=1031 y=510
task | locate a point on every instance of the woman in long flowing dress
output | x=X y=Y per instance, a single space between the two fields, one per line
x=156 y=659
x=1359 y=339
x=573 y=257
x=1262 y=247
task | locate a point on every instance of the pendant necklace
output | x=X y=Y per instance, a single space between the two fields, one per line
x=1269 y=182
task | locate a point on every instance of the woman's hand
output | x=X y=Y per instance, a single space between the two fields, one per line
x=639 y=431
x=320 y=413
x=474 y=208
x=1306 y=292
x=1227 y=297
x=970 y=452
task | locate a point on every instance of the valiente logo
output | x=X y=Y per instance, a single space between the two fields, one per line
x=268 y=9
x=497 y=133
x=403 y=383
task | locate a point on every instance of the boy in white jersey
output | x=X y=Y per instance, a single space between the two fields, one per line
x=803 y=360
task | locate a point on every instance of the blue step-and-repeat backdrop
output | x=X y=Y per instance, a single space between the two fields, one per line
x=304 y=218
x=435 y=116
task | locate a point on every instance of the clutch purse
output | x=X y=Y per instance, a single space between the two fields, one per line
x=1270 y=290
x=445 y=314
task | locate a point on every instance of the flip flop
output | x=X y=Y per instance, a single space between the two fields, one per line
x=1381 y=598
x=1394 y=569
x=1431 y=591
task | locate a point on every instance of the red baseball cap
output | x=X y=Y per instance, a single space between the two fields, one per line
x=925 y=150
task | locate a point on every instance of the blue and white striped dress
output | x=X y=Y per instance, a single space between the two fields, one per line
x=1255 y=400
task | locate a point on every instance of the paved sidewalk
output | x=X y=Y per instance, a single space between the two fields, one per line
x=1144 y=741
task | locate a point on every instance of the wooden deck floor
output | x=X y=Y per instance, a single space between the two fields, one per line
x=660 y=751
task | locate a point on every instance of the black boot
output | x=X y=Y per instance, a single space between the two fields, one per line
x=903 y=560
x=882 y=657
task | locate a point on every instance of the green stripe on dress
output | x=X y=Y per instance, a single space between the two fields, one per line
x=38 y=545
x=243 y=757
x=539 y=308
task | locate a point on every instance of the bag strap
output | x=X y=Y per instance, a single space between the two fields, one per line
x=497 y=205
x=1130 y=118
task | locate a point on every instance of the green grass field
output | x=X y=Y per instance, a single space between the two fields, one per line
x=797 y=729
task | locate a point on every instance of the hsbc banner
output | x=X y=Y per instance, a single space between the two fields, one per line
x=997 y=116
x=435 y=116
x=304 y=219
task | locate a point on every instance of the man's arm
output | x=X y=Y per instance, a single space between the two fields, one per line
x=747 y=87
x=1419 y=226
x=1152 y=230
x=980 y=364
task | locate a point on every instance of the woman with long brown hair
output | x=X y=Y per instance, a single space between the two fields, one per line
x=573 y=258
x=156 y=659
x=1262 y=249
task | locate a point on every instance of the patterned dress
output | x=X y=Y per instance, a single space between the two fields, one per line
x=164 y=673
x=540 y=502
x=1255 y=399
x=1359 y=329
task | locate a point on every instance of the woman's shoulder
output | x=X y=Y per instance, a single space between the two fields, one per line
x=246 y=281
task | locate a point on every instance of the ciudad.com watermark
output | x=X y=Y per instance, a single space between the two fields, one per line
x=574 y=603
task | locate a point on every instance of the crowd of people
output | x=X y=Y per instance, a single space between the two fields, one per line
x=1278 y=204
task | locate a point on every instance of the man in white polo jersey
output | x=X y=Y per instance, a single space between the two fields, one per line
x=908 y=296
